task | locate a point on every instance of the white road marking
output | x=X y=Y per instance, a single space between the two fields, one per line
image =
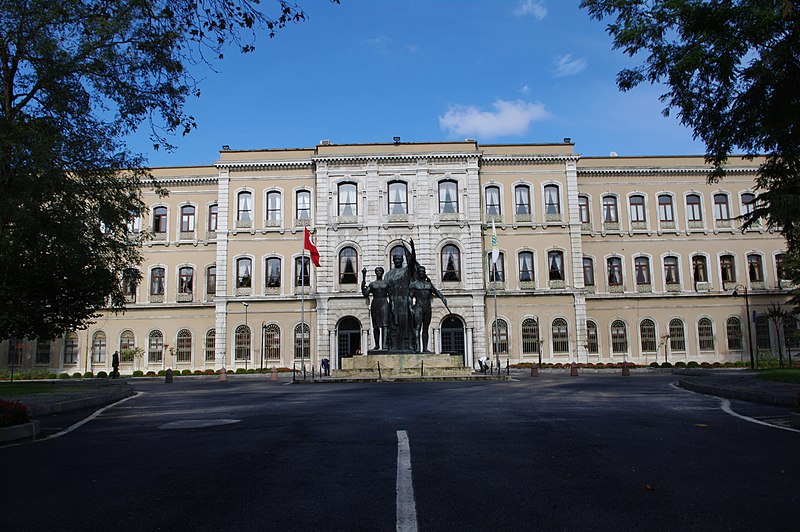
x=406 y=507
x=725 y=405
x=197 y=423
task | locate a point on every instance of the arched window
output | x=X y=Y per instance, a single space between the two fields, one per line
x=186 y=280
x=555 y=265
x=273 y=272
x=666 y=212
x=700 y=269
x=610 y=212
x=213 y=217
x=127 y=342
x=99 y=347
x=500 y=342
x=211 y=280
x=733 y=330
x=722 y=211
x=727 y=268
x=398 y=198
x=160 y=220
x=497 y=272
x=303 y=198
x=448 y=197
x=694 y=212
x=187 y=219
x=302 y=271
x=614 y=265
x=619 y=337
x=492 y=201
x=560 y=336
x=647 y=335
x=705 y=334
x=530 y=336
x=671 y=275
x=157 y=282
x=638 y=213
x=183 y=349
x=748 y=203
x=211 y=348
x=42 y=352
x=155 y=346
x=677 y=336
x=242 y=342
x=642 y=267
x=244 y=207
x=272 y=342
x=130 y=280
x=348 y=204
x=525 y=259
x=583 y=210
x=274 y=208
x=348 y=265
x=754 y=268
x=302 y=340
x=588 y=272
x=763 y=340
x=451 y=263
x=552 y=200
x=522 y=200
x=592 y=341
x=244 y=272
x=71 y=348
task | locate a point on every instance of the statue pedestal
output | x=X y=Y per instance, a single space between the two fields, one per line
x=397 y=365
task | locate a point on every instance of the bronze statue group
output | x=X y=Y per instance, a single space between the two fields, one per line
x=401 y=304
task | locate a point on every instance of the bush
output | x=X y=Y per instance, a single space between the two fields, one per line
x=102 y=375
x=666 y=365
x=77 y=375
x=209 y=372
x=88 y=375
x=251 y=370
x=716 y=365
x=150 y=374
x=63 y=375
x=680 y=364
x=161 y=372
x=692 y=364
x=197 y=372
x=653 y=364
x=239 y=371
x=186 y=372
x=12 y=413
x=705 y=365
x=138 y=373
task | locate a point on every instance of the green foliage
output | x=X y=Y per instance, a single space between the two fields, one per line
x=12 y=413
x=150 y=374
x=239 y=371
x=63 y=375
x=692 y=364
x=781 y=375
x=666 y=365
x=77 y=375
x=161 y=372
x=138 y=373
x=76 y=78
x=653 y=364
x=88 y=375
x=680 y=364
x=186 y=372
x=102 y=375
x=731 y=71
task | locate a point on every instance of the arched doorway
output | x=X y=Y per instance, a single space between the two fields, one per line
x=453 y=336
x=348 y=338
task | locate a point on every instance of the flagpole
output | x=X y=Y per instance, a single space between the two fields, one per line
x=303 y=305
x=496 y=326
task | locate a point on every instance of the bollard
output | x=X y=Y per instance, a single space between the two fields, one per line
x=625 y=370
x=168 y=378
x=422 y=369
x=534 y=370
x=573 y=370
x=379 y=371
x=274 y=375
x=223 y=376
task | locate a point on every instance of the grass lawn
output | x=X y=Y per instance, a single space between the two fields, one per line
x=780 y=375
x=14 y=389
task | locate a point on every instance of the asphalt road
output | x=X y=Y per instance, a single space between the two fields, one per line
x=593 y=452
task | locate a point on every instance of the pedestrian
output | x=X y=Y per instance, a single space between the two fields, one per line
x=115 y=365
x=326 y=367
x=484 y=363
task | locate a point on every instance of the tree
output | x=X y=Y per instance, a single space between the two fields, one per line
x=731 y=69
x=76 y=77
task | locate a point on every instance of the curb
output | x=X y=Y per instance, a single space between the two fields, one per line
x=744 y=395
x=25 y=431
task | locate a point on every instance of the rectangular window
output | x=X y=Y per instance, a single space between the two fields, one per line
x=213 y=216
x=588 y=272
x=610 y=215
x=637 y=209
x=754 y=268
x=665 y=210
x=583 y=209
x=727 y=269
x=187 y=219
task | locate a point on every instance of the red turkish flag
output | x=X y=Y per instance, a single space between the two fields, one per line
x=309 y=245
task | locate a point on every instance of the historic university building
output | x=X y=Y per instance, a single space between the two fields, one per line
x=601 y=259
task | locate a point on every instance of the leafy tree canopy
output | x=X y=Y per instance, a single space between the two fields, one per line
x=732 y=71
x=76 y=77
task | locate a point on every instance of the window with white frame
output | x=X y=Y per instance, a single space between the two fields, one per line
x=497 y=272
x=187 y=219
x=754 y=268
x=666 y=211
x=500 y=336
x=722 y=210
x=677 y=335
x=273 y=272
x=647 y=336
x=522 y=200
x=614 y=265
x=705 y=334
x=588 y=271
x=555 y=265
x=348 y=200
x=733 y=331
x=559 y=334
x=398 y=198
x=619 y=337
x=492 y=201
x=671 y=270
x=186 y=280
x=211 y=280
x=155 y=346
x=694 y=211
x=727 y=268
x=99 y=347
x=213 y=218
x=272 y=341
x=448 y=197
x=610 y=213
x=244 y=272
x=244 y=207
x=642 y=267
x=274 y=206
x=242 y=339
x=451 y=263
x=348 y=266
x=525 y=259
x=530 y=336
x=700 y=269
x=183 y=347
x=157 y=281
x=71 y=349
x=552 y=200
x=211 y=342
x=303 y=198
x=592 y=340
x=638 y=213
x=302 y=271
x=583 y=209
x=160 y=220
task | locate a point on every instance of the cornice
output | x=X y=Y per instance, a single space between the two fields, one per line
x=528 y=159
x=187 y=180
x=657 y=171
x=399 y=157
x=295 y=164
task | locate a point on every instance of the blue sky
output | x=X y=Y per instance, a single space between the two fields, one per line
x=365 y=71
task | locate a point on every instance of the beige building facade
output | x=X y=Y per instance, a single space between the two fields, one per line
x=605 y=259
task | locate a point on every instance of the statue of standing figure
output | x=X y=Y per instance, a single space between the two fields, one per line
x=379 y=310
x=401 y=304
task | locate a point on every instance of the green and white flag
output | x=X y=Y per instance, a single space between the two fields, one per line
x=495 y=249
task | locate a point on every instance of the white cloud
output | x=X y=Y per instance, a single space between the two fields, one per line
x=566 y=65
x=507 y=118
x=525 y=89
x=535 y=8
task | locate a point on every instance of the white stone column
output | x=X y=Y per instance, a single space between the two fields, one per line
x=468 y=345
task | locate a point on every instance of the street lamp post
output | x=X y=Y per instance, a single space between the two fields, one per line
x=249 y=339
x=749 y=327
